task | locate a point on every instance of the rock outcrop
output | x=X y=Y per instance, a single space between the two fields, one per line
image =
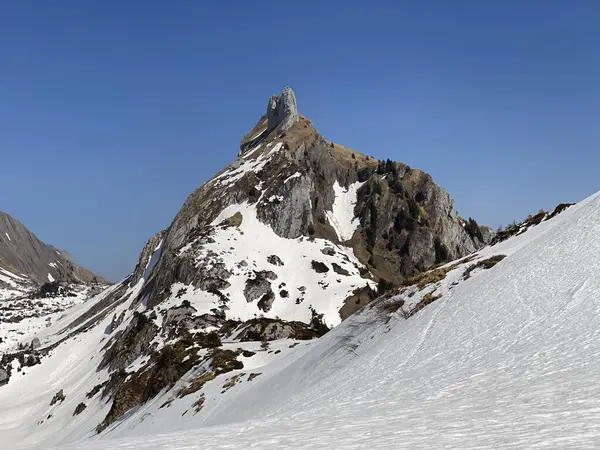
x=282 y=111
x=282 y=114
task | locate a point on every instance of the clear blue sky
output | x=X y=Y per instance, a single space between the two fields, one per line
x=112 y=112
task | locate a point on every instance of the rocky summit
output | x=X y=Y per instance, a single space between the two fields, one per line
x=289 y=240
x=336 y=221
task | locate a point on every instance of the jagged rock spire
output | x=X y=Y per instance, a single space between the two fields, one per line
x=282 y=110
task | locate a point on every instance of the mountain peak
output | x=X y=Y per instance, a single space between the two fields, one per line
x=281 y=115
x=282 y=110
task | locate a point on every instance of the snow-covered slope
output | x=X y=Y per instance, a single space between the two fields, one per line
x=503 y=357
x=289 y=264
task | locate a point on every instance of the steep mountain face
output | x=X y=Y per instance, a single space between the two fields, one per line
x=294 y=236
x=293 y=190
x=24 y=255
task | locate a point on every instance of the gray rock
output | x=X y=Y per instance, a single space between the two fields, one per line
x=329 y=251
x=58 y=397
x=487 y=234
x=178 y=313
x=266 y=302
x=126 y=346
x=275 y=260
x=256 y=288
x=115 y=322
x=319 y=267
x=3 y=377
x=142 y=266
x=282 y=111
x=79 y=409
x=339 y=269
x=268 y=274
x=233 y=221
x=266 y=329
x=35 y=343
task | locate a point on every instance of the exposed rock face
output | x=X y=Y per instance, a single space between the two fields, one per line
x=24 y=357
x=79 y=409
x=151 y=247
x=282 y=111
x=23 y=254
x=273 y=329
x=319 y=267
x=408 y=223
x=275 y=260
x=35 y=343
x=59 y=397
x=257 y=287
x=127 y=346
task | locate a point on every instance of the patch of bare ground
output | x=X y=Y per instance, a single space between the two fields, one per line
x=483 y=264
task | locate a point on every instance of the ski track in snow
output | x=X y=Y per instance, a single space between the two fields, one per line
x=508 y=359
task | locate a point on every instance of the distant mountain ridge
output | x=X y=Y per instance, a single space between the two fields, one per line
x=24 y=255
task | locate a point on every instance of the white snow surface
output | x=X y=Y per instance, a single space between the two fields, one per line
x=507 y=359
x=325 y=292
x=50 y=278
x=34 y=318
x=341 y=217
x=8 y=236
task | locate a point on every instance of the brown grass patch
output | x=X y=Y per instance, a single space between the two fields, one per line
x=484 y=264
x=199 y=404
x=196 y=384
x=346 y=156
x=252 y=376
x=427 y=299
x=231 y=381
x=435 y=275
x=224 y=361
x=392 y=306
